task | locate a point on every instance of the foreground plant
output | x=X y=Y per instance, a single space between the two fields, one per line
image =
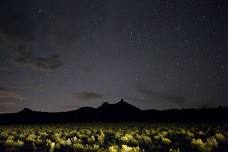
x=112 y=138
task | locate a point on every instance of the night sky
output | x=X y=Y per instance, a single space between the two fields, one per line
x=59 y=55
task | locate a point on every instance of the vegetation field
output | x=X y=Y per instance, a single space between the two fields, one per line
x=115 y=137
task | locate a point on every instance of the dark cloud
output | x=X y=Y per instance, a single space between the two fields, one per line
x=5 y=72
x=179 y=100
x=49 y=63
x=10 y=101
x=16 y=85
x=6 y=94
x=85 y=96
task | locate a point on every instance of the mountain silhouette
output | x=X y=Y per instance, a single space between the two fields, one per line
x=118 y=107
x=120 y=111
x=26 y=111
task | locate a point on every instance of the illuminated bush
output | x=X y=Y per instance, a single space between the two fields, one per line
x=19 y=143
x=31 y=137
x=126 y=148
x=113 y=148
x=211 y=143
x=144 y=140
x=9 y=142
x=198 y=143
x=189 y=134
x=166 y=141
x=91 y=140
x=219 y=137
x=58 y=146
x=68 y=142
x=208 y=146
x=10 y=137
x=4 y=134
x=128 y=139
x=163 y=133
x=78 y=146
x=52 y=147
x=117 y=138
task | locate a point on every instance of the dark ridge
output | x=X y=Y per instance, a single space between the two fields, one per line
x=26 y=110
x=120 y=111
x=119 y=106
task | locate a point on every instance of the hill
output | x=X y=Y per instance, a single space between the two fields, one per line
x=121 y=111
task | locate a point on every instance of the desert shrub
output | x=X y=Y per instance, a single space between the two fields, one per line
x=220 y=137
x=166 y=141
x=126 y=148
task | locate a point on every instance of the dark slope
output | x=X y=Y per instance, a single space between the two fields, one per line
x=120 y=111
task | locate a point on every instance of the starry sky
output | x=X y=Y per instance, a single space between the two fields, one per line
x=60 y=55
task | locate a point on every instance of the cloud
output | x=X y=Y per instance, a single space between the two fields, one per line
x=21 y=84
x=49 y=63
x=9 y=107
x=5 y=72
x=179 y=100
x=72 y=106
x=10 y=101
x=28 y=82
x=86 y=96
x=5 y=94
